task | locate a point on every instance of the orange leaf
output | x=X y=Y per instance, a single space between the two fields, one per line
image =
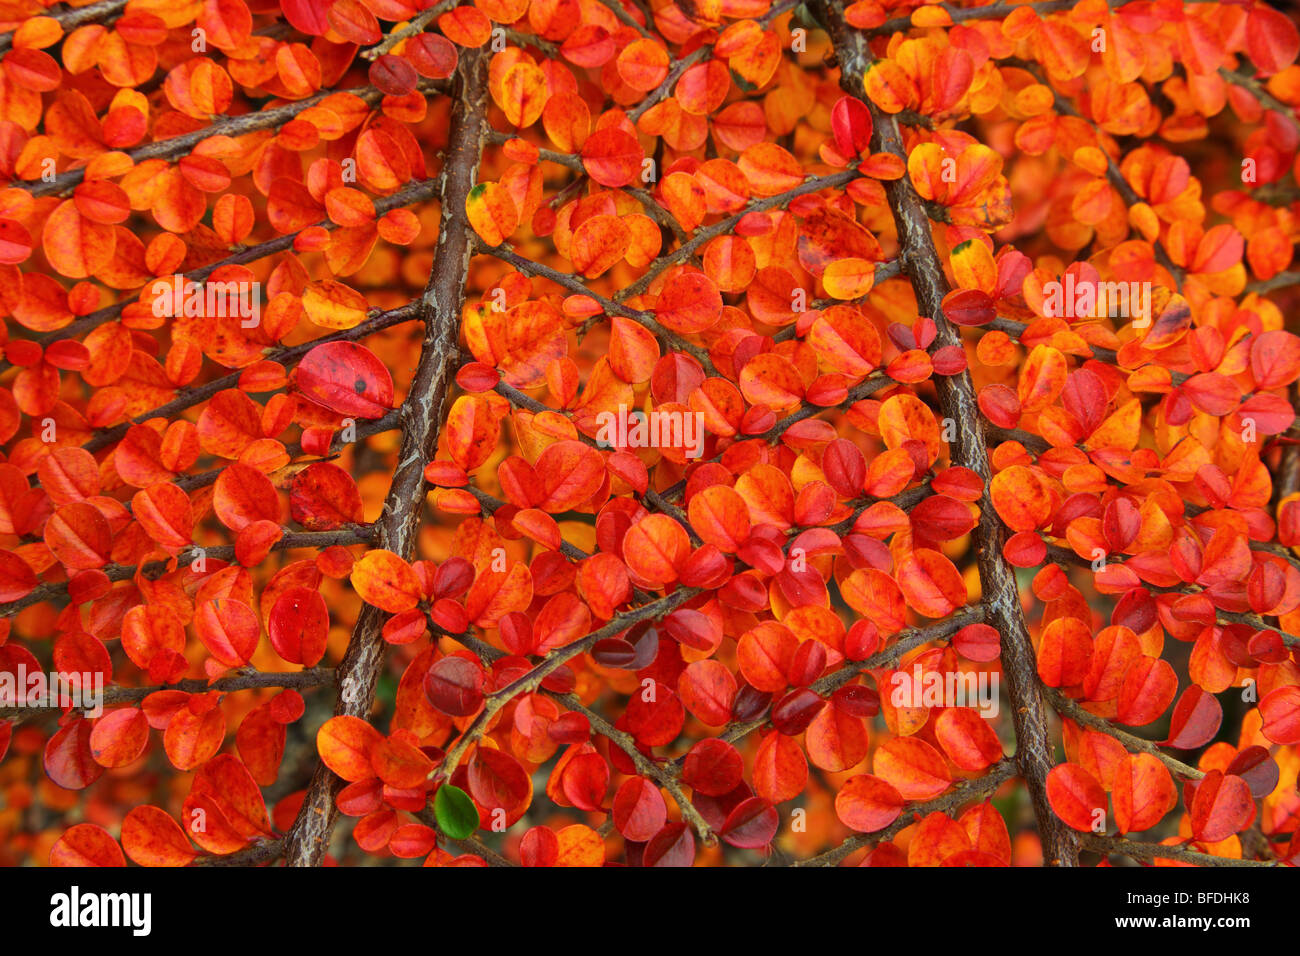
x=346 y=745
x=914 y=768
x=386 y=581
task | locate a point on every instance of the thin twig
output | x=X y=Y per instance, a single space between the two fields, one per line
x=963 y=793
x=1153 y=851
x=124 y=572
x=1069 y=708
x=72 y=18
x=251 y=680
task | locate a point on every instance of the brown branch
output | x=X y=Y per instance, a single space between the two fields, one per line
x=413 y=28
x=1151 y=851
x=957 y=402
x=644 y=765
x=389 y=422
x=659 y=93
x=722 y=227
x=906 y=500
x=491 y=504
x=1251 y=620
x=1114 y=176
x=617 y=8
x=1288 y=471
x=964 y=792
x=904 y=641
x=996 y=11
x=1063 y=555
x=1032 y=442
x=1283 y=280
x=72 y=18
x=232 y=126
x=663 y=775
x=568 y=160
x=473 y=844
x=264 y=852
x=408 y=195
x=1070 y=708
x=1244 y=77
x=251 y=680
x=575 y=285
x=287 y=356
x=529 y=682
x=647 y=767
x=444 y=297
x=470 y=844
x=224 y=552
x=1016 y=330
x=520 y=400
x=662 y=217
x=874 y=382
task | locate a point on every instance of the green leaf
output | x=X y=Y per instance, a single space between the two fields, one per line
x=456 y=813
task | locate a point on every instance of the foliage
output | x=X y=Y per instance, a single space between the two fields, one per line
x=337 y=518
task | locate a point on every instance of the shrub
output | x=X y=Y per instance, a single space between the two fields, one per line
x=556 y=433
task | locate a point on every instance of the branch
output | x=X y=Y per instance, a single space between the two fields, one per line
x=962 y=793
x=575 y=285
x=1115 y=177
x=724 y=226
x=520 y=400
x=1016 y=330
x=471 y=844
x=491 y=504
x=224 y=552
x=412 y=193
x=255 y=855
x=1244 y=77
x=1070 y=708
x=443 y=300
x=1152 y=851
x=287 y=356
x=73 y=18
x=664 y=776
x=1063 y=555
x=232 y=126
x=644 y=765
x=1282 y=280
x=874 y=382
x=373 y=427
x=957 y=401
x=530 y=681
x=251 y=680
x=660 y=92
x=617 y=8
x=904 y=641
x=416 y=26
x=995 y=11
x=1288 y=472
